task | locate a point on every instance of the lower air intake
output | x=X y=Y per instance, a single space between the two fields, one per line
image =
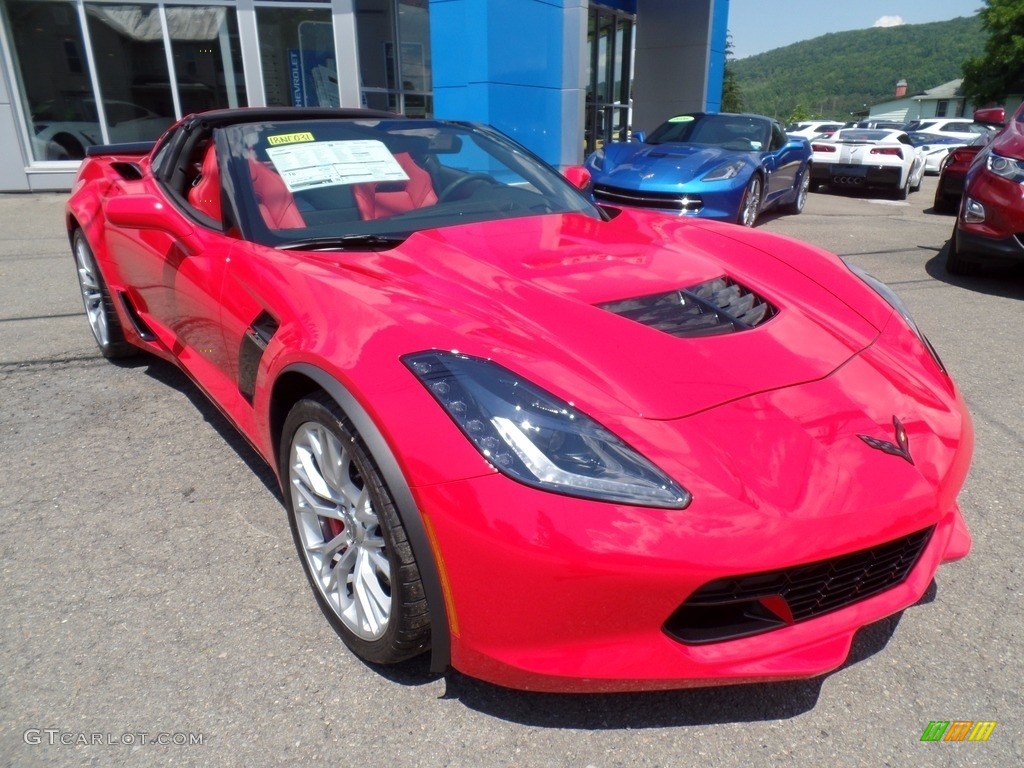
x=749 y=605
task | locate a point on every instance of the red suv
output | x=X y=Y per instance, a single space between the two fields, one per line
x=990 y=226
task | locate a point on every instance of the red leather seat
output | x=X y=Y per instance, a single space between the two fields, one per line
x=376 y=200
x=204 y=195
x=277 y=205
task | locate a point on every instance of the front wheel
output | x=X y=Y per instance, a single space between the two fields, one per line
x=99 y=309
x=750 y=205
x=350 y=539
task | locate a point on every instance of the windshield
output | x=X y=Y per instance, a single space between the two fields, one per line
x=860 y=134
x=744 y=133
x=324 y=183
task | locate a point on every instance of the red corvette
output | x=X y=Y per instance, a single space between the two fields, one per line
x=563 y=447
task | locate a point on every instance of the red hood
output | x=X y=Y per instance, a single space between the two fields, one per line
x=523 y=292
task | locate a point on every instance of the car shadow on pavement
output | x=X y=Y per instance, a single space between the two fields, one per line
x=665 y=709
x=1006 y=281
x=172 y=376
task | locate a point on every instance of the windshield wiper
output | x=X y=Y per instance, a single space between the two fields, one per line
x=346 y=243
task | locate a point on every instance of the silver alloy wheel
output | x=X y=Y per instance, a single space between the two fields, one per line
x=340 y=532
x=801 y=195
x=92 y=292
x=751 y=202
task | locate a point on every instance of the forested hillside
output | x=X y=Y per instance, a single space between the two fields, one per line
x=840 y=73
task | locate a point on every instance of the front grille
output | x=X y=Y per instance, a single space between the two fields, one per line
x=713 y=307
x=664 y=200
x=749 y=605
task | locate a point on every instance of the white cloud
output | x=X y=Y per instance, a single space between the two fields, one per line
x=889 y=21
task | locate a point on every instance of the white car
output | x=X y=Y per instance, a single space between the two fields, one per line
x=64 y=129
x=811 y=128
x=956 y=127
x=867 y=158
x=934 y=148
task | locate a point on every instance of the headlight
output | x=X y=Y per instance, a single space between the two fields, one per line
x=725 y=171
x=1006 y=167
x=896 y=303
x=596 y=160
x=534 y=437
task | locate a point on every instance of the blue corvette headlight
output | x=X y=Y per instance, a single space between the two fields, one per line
x=596 y=160
x=725 y=171
x=538 y=439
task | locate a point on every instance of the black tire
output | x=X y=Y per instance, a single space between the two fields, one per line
x=99 y=308
x=803 y=187
x=362 y=523
x=903 y=192
x=943 y=204
x=958 y=263
x=750 y=204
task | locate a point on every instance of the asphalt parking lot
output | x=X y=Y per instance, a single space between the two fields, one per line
x=152 y=592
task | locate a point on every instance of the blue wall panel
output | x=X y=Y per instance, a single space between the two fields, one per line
x=716 y=54
x=503 y=62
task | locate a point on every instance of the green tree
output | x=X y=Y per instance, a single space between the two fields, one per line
x=799 y=113
x=732 y=99
x=1000 y=72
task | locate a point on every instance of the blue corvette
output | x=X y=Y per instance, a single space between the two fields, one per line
x=714 y=165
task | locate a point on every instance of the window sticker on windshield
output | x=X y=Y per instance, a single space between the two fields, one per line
x=681 y=119
x=289 y=138
x=330 y=163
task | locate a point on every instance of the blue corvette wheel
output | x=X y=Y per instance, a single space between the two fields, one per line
x=750 y=205
x=803 y=187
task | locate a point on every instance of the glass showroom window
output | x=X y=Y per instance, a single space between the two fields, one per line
x=131 y=70
x=49 y=61
x=300 y=68
x=395 y=77
x=207 y=57
x=125 y=47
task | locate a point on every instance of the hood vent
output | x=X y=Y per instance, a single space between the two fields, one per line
x=713 y=307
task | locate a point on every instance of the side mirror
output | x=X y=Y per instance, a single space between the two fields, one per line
x=147 y=212
x=578 y=176
x=990 y=116
x=639 y=136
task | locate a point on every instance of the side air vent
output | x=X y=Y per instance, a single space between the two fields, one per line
x=127 y=171
x=254 y=344
x=714 y=307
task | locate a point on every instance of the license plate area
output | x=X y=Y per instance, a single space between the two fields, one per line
x=849 y=170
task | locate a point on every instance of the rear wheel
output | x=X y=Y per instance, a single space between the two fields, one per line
x=750 y=205
x=944 y=204
x=916 y=187
x=99 y=309
x=958 y=263
x=350 y=539
x=903 y=192
x=802 y=187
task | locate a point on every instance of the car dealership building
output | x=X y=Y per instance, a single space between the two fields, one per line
x=560 y=76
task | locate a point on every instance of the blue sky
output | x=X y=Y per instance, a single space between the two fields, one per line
x=757 y=25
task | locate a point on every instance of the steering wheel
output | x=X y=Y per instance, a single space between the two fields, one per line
x=459 y=182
